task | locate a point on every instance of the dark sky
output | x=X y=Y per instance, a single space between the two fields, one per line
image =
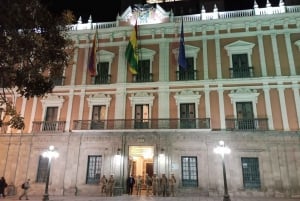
x=106 y=11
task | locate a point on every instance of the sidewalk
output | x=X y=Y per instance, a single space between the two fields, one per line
x=145 y=198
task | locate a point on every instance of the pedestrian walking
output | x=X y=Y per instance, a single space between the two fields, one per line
x=163 y=185
x=110 y=186
x=148 y=184
x=155 y=183
x=139 y=185
x=172 y=182
x=103 y=183
x=3 y=185
x=25 y=187
x=130 y=184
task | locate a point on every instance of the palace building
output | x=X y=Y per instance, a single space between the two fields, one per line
x=237 y=81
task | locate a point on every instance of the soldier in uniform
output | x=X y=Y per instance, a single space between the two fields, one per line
x=155 y=184
x=172 y=182
x=163 y=185
x=103 y=183
x=110 y=186
x=148 y=184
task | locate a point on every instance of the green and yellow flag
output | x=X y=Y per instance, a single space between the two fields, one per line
x=131 y=51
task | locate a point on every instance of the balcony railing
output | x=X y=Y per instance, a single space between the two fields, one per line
x=247 y=124
x=48 y=126
x=197 y=123
x=186 y=75
x=241 y=72
x=102 y=79
x=145 y=77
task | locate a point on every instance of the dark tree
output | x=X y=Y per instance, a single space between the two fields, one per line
x=34 y=50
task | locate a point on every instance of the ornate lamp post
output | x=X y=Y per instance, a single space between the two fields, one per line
x=222 y=150
x=50 y=153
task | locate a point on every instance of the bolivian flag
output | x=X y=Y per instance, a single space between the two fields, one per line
x=131 y=51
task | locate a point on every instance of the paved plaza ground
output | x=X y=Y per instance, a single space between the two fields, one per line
x=145 y=198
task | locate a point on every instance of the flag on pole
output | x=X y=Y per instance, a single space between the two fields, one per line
x=181 y=55
x=131 y=51
x=92 y=58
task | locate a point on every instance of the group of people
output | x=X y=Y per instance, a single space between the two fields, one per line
x=160 y=186
x=25 y=187
x=107 y=185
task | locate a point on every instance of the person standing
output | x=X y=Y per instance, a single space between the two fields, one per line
x=3 y=185
x=110 y=186
x=164 y=185
x=148 y=184
x=25 y=188
x=130 y=184
x=172 y=182
x=155 y=183
x=139 y=185
x=103 y=183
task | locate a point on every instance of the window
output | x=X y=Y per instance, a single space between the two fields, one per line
x=240 y=66
x=102 y=76
x=141 y=116
x=187 y=115
x=189 y=171
x=42 y=170
x=251 y=177
x=245 y=115
x=51 y=119
x=98 y=116
x=94 y=169
x=143 y=72
x=239 y=53
x=189 y=72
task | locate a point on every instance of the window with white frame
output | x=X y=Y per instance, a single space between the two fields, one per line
x=103 y=69
x=190 y=73
x=144 y=70
x=239 y=53
x=42 y=170
x=187 y=108
x=141 y=103
x=250 y=170
x=94 y=169
x=98 y=110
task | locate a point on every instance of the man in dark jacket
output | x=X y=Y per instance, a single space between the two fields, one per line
x=130 y=184
x=3 y=185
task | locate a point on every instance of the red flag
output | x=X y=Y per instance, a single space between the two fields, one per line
x=92 y=59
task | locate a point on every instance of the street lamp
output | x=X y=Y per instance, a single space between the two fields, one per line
x=222 y=150
x=50 y=153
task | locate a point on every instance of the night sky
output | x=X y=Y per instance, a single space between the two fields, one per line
x=106 y=11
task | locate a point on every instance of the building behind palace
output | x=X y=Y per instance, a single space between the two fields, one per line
x=240 y=85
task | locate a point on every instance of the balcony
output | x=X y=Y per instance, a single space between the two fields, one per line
x=186 y=75
x=241 y=72
x=259 y=124
x=103 y=79
x=48 y=126
x=117 y=124
x=145 y=77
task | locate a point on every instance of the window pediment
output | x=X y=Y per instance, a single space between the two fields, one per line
x=190 y=51
x=104 y=55
x=142 y=98
x=297 y=43
x=99 y=99
x=187 y=96
x=52 y=101
x=147 y=53
x=243 y=95
x=238 y=47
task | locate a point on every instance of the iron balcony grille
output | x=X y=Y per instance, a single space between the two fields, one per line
x=241 y=72
x=48 y=126
x=247 y=124
x=196 y=123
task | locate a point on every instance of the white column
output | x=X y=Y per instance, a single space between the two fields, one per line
x=288 y=44
x=85 y=62
x=120 y=103
x=266 y=89
x=164 y=64
x=276 y=55
x=81 y=104
x=262 y=55
x=283 y=108
x=296 y=87
x=74 y=66
x=163 y=102
x=122 y=65
x=33 y=112
x=221 y=106
x=69 y=111
x=205 y=59
x=207 y=101
x=218 y=58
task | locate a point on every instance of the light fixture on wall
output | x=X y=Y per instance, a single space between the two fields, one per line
x=118 y=151
x=162 y=152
